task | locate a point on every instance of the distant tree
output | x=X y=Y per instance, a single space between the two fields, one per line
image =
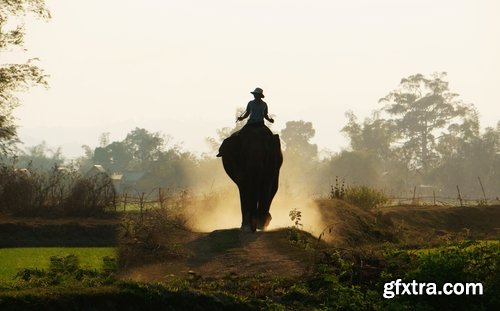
x=297 y=135
x=466 y=159
x=299 y=172
x=115 y=157
x=356 y=167
x=40 y=157
x=422 y=109
x=104 y=139
x=374 y=135
x=138 y=151
x=144 y=147
x=16 y=77
x=223 y=133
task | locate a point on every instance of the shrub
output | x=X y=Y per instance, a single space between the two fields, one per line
x=90 y=196
x=56 y=192
x=66 y=270
x=365 y=197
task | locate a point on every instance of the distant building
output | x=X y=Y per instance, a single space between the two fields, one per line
x=130 y=181
x=95 y=170
x=134 y=181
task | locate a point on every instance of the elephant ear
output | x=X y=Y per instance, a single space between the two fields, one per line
x=230 y=153
x=230 y=146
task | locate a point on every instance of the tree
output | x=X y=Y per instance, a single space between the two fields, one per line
x=144 y=147
x=40 y=157
x=466 y=159
x=374 y=135
x=422 y=109
x=223 y=133
x=300 y=158
x=297 y=135
x=16 y=77
x=138 y=151
x=115 y=157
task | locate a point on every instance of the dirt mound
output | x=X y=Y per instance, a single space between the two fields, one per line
x=352 y=226
x=421 y=224
x=232 y=252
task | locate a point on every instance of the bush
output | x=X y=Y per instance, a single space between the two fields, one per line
x=66 y=270
x=365 y=197
x=54 y=193
x=90 y=196
x=362 y=196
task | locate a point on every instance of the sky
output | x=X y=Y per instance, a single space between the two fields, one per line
x=184 y=67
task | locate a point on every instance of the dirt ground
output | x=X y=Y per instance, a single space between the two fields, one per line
x=229 y=252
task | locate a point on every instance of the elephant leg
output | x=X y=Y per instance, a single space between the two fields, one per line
x=245 y=212
x=253 y=212
x=248 y=203
x=267 y=193
x=263 y=216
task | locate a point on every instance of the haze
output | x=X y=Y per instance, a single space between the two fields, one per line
x=184 y=67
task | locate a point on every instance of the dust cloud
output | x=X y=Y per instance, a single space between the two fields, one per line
x=218 y=206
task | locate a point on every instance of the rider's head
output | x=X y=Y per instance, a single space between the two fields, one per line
x=258 y=93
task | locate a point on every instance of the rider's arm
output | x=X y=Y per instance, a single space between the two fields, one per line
x=244 y=116
x=266 y=116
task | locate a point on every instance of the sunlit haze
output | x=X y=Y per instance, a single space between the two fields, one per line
x=184 y=67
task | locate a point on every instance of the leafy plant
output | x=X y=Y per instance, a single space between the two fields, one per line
x=296 y=218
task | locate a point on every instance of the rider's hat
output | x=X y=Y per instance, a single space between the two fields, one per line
x=258 y=91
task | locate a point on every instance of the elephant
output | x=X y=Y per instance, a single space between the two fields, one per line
x=252 y=158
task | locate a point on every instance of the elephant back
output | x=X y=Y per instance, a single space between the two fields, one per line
x=248 y=149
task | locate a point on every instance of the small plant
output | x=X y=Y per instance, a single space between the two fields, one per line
x=109 y=264
x=59 y=264
x=336 y=191
x=296 y=217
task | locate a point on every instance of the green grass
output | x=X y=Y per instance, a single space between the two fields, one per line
x=472 y=247
x=13 y=259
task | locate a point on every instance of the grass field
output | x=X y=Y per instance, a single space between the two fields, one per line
x=13 y=259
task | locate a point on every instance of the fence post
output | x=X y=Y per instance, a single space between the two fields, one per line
x=460 y=197
x=141 y=206
x=414 y=193
x=160 y=197
x=125 y=202
x=114 y=200
x=484 y=193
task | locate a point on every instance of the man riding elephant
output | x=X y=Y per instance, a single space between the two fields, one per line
x=257 y=110
x=252 y=158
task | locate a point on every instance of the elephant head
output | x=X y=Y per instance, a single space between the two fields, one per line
x=252 y=158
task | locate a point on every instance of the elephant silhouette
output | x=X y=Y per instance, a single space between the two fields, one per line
x=252 y=158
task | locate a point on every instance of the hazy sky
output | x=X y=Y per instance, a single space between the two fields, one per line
x=184 y=67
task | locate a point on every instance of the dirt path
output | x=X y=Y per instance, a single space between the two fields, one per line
x=231 y=252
